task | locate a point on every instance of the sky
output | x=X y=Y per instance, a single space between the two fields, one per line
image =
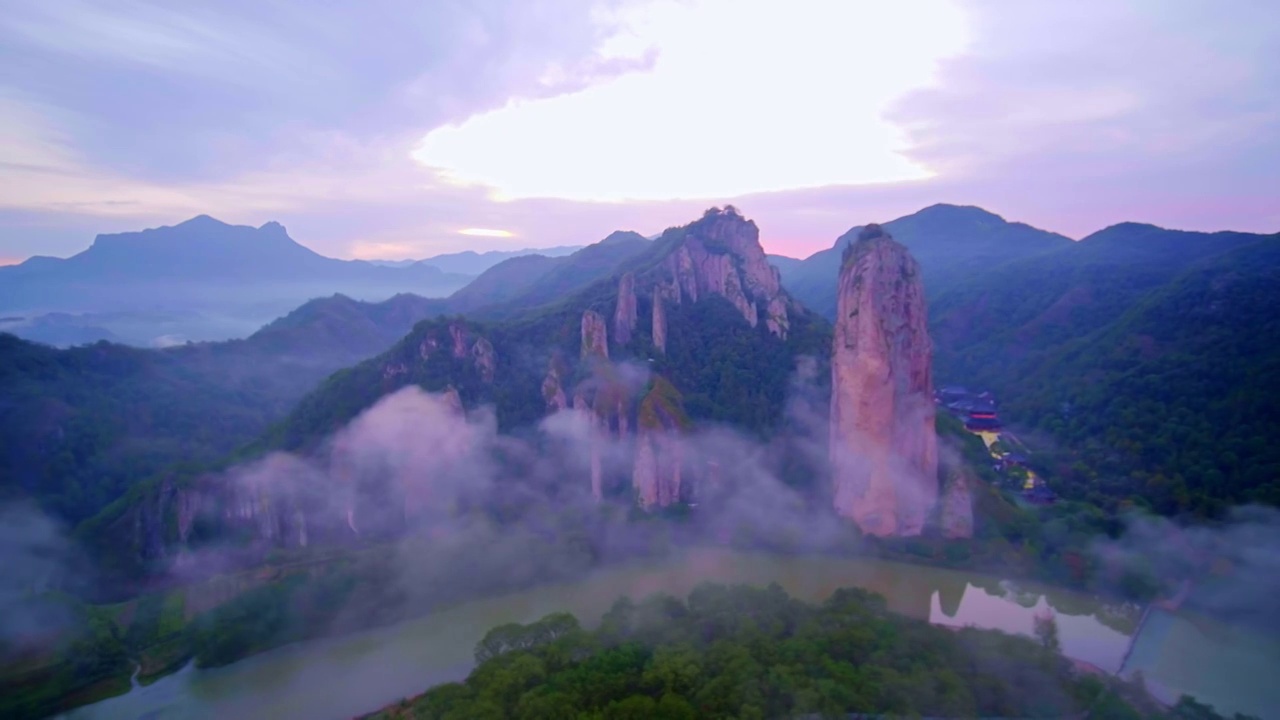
x=402 y=129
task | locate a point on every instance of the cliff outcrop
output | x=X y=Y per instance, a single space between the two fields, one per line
x=883 y=446
x=553 y=386
x=595 y=336
x=658 y=468
x=485 y=358
x=955 y=517
x=625 y=316
x=464 y=345
x=721 y=254
x=659 y=320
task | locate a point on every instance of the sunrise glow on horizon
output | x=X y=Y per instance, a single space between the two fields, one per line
x=486 y=232
x=719 y=114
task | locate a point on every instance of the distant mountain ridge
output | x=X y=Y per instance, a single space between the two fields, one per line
x=204 y=267
x=949 y=241
x=470 y=262
x=519 y=285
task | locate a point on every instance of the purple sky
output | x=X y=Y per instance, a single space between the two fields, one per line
x=387 y=128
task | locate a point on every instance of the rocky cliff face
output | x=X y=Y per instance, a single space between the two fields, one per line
x=591 y=398
x=658 y=468
x=553 y=386
x=485 y=359
x=453 y=400
x=955 y=517
x=884 y=454
x=595 y=336
x=625 y=316
x=721 y=255
x=659 y=320
x=464 y=345
x=458 y=335
x=158 y=528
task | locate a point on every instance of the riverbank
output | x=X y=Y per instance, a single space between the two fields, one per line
x=378 y=666
x=218 y=621
x=763 y=652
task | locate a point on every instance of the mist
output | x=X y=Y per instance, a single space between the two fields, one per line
x=418 y=504
x=38 y=559
x=1229 y=569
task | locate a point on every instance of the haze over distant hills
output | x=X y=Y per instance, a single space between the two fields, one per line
x=470 y=262
x=200 y=279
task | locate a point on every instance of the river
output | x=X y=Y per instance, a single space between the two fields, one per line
x=353 y=674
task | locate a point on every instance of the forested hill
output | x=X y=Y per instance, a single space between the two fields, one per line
x=1143 y=356
x=81 y=425
x=742 y=652
x=952 y=243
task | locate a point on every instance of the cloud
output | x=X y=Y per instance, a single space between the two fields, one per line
x=38 y=558
x=1111 y=110
x=744 y=97
x=210 y=91
x=1232 y=567
x=811 y=118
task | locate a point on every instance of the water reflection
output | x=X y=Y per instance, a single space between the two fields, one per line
x=1082 y=634
x=1232 y=668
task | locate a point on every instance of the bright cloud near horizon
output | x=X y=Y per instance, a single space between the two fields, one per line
x=743 y=97
x=403 y=129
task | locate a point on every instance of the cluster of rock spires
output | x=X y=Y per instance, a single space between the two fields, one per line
x=883 y=449
x=479 y=350
x=883 y=445
x=607 y=400
x=719 y=255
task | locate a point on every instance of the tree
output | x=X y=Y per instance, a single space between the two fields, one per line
x=1046 y=629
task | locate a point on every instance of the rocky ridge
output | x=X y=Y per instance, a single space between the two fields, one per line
x=721 y=255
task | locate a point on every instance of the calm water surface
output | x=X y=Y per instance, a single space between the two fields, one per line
x=353 y=674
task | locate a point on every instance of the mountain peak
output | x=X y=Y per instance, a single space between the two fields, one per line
x=871 y=232
x=621 y=236
x=720 y=254
x=197 y=222
x=956 y=212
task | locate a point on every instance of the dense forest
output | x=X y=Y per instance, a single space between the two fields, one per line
x=1138 y=387
x=743 y=652
x=83 y=425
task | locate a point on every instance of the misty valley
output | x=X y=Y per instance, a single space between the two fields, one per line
x=952 y=466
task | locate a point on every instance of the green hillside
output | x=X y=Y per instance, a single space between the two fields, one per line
x=743 y=652
x=1169 y=404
